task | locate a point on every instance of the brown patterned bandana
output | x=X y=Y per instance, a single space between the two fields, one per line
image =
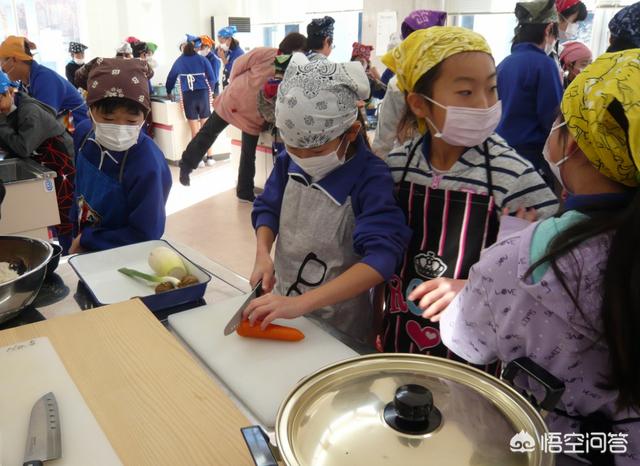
x=115 y=77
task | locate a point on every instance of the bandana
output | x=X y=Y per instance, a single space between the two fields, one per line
x=425 y=48
x=131 y=40
x=207 y=41
x=361 y=51
x=139 y=48
x=317 y=100
x=597 y=106
x=125 y=49
x=574 y=51
x=321 y=27
x=564 y=5
x=13 y=47
x=422 y=19
x=195 y=40
x=114 y=77
x=6 y=83
x=227 y=32
x=152 y=47
x=540 y=12
x=77 y=47
x=626 y=24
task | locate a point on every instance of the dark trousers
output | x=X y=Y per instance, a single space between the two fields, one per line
x=205 y=138
x=247 y=169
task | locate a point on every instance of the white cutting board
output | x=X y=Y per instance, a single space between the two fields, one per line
x=259 y=372
x=29 y=370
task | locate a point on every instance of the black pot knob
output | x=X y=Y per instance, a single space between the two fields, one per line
x=412 y=411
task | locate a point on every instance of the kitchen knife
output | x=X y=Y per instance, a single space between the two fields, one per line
x=237 y=317
x=44 y=438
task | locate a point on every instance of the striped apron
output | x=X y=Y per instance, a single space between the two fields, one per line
x=450 y=229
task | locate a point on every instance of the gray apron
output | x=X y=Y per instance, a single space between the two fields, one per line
x=315 y=245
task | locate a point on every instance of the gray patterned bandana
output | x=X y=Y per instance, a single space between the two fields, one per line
x=317 y=100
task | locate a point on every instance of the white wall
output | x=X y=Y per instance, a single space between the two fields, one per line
x=158 y=21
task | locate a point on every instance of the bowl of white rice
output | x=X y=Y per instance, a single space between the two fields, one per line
x=23 y=265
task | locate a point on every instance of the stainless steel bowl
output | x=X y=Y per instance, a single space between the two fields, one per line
x=20 y=292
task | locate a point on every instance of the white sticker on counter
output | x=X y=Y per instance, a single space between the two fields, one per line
x=49 y=186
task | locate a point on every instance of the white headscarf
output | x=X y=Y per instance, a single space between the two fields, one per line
x=317 y=100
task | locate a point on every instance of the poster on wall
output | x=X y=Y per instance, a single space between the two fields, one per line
x=387 y=25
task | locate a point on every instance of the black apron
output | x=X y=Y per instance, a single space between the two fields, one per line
x=450 y=229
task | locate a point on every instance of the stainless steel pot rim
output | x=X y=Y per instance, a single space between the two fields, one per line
x=511 y=404
x=46 y=244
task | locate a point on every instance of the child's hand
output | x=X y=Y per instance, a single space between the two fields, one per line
x=76 y=248
x=530 y=215
x=267 y=308
x=435 y=295
x=263 y=270
x=184 y=174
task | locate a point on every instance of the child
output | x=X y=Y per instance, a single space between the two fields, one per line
x=453 y=182
x=29 y=129
x=574 y=58
x=572 y=302
x=329 y=201
x=123 y=181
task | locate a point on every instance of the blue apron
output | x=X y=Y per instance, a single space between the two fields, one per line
x=100 y=199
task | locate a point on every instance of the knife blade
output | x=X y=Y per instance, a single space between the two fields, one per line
x=232 y=325
x=44 y=437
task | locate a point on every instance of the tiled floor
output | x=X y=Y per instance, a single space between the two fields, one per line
x=208 y=217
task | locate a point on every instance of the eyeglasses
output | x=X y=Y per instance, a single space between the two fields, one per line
x=312 y=273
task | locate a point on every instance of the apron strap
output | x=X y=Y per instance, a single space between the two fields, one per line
x=84 y=140
x=124 y=161
x=487 y=162
x=410 y=158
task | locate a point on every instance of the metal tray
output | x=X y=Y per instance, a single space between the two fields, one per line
x=99 y=272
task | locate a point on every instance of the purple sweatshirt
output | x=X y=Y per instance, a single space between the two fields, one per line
x=499 y=315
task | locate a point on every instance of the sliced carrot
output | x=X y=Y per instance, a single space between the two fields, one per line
x=272 y=332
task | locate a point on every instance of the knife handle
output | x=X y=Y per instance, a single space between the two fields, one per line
x=33 y=463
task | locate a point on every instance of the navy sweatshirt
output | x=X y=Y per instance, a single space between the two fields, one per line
x=195 y=65
x=52 y=89
x=216 y=64
x=146 y=181
x=530 y=89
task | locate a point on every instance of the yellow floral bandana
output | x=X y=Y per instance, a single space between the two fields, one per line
x=598 y=105
x=425 y=48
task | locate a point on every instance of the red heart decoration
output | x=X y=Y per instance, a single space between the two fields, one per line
x=425 y=337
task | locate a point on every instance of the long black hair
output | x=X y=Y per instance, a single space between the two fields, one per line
x=234 y=44
x=620 y=308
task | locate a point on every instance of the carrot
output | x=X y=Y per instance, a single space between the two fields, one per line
x=272 y=332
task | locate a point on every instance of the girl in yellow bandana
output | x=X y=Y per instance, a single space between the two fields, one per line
x=453 y=181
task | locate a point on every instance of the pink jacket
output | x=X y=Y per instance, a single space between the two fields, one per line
x=238 y=103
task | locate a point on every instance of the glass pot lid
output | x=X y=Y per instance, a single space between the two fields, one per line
x=404 y=409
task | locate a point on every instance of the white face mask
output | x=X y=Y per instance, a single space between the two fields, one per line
x=224 y=47
x=204 y=52
x=321 y=165
x=570 y=32
x=78 y=61
x=549 y=47
x=114 y=137
x=152 y=62
x=465 y=126
x=555 y=166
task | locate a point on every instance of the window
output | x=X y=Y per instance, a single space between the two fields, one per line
x=50 y=24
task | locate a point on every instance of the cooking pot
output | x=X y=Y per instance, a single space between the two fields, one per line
x=405 y=409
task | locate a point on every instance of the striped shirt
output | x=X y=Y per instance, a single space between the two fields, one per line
x=515 y=183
